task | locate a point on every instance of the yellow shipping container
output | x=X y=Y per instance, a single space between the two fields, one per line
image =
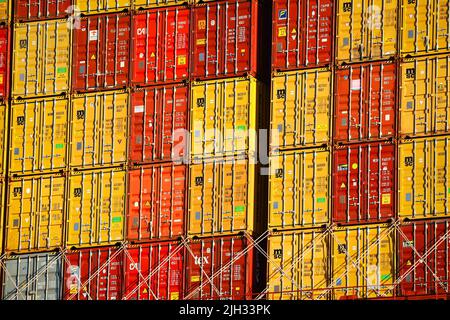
x=142 y=4
x=425 y=102
x=99 y=129
x=363 y=260
x=100 y=6
x=3 y=138
x=299 y=265
x=96 y=208
x=366 y=30
x=301 y=109
x=223 y=117
x=38 y=135
x=5 y=10
x=299 y=189
x=2 y=211
x=35 y=213
x=424 y=182
x=424 y=27
x=221 y=197
x=41 y=58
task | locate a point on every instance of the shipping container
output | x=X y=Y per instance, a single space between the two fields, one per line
x=35 y=214
x=3 y=138
x=424 y=257
x=219 y=268
x=154 y=271
x=41 y=59
x=222 y=197
x=364 y=183
x=157 y=204
x=224 y=117
x=302 y=33
x=5 y=11
x=298 y=265
x=299 y=189
x=159 y=123
x=365 y=102
x=99 y=129
x=363 y=260
x=26 y=10
x=96 y=208
x=424 y=27
x=102 y=6
x=32 y=277
x=366 y=30
x=5 y=38
x=2 y=212
x=101 y=52
x=93 y=274
x=160 y=45
x=425 y=103
x=301 y=109
x=38 y=135
x=424 y=184
x=225 y=39
x=144 y=4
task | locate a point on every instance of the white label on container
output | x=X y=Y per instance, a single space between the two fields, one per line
x=122 y=64
x=138 y=109
x=93 y=35
x=387 y=117
x=324 y=39
x=356 y=84
x=136 y=204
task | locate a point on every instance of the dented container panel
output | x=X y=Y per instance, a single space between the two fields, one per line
x=25 y=10
x=36 y=213
x=96 y=208
x=101 y=6
x=157 y=202
x=299 y=188
x=301 y=109
x=99 y=129
x=5 y=38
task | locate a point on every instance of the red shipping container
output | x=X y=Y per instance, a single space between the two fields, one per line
x=365 y=102
x=424 y=257
x=159 y=122
x=218 y=268
x=364 y=183
x=160 y=45
x=302 y=34
x=225 y=39
x=154 y=271
x=101 y=52
x=157 y=202
x=4 y=61
x=27 y=10
x=93 y=274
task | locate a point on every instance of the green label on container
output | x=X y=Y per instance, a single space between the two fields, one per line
x=116 y=219
x=448 y=190
x=239 y=209
x=385 y=277
x=241 y=127
x=320 y=200
x=58 y=145
x=2 y=1
x=62 y=70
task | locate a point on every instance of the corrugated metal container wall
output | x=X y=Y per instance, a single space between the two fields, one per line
x=93 y=274
x=224 y=117
x=154 y=272
x=299 y=185
x=301 y=109
x=363 y=262
x=5 y=10
x=143 y=4
x=101 y=52
x=99 y=6
x=219 y=268
x=299 y=265
x=160 y=45
x=424 y=257
x=225 y=39
x=5 y=36
x=156 y=202
x=32 y=277
x=25 y=10
x=364 y=183
x=96 y=208
x=38 y=135
x=221 y=197
x=99 y=129
x=3 y=138
x=2 y=212
x=302 y=33
x=424 y=27
x=424 y=185
x=41 y=58
x=35 y=214
x=425 y=103
x=365 y=102
x=366 y=30
x=159 y=122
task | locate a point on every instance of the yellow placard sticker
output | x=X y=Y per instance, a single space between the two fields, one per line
x=152 y=55
x=201 y=42
x=145 y=290
x=174 y=296
x=282 y=31
x=93 y=57
x=343 y=186
x=202 y=24
x=147 y=203
x=181 y=60
x=354 y=166
x=73 y=288
x=294 y=31
x=1 y=79
x=195 y=278
x=386 y=198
